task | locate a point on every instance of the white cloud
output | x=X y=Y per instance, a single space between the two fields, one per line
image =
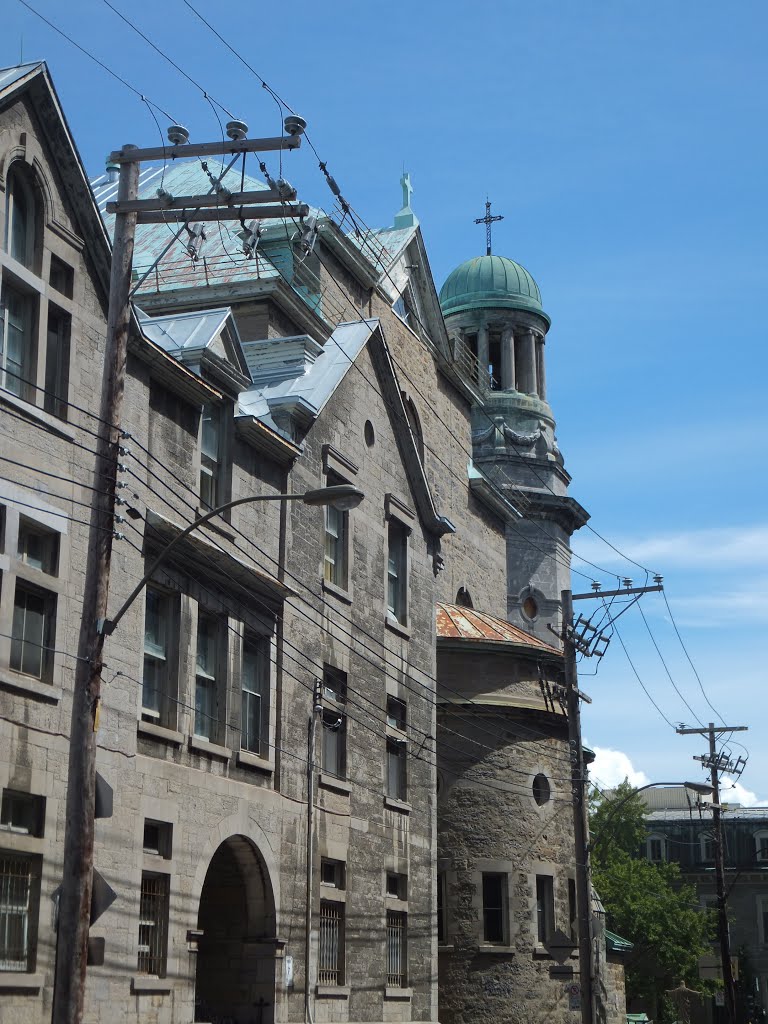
x=726 y=547
x=611 y=767
x=735 y=793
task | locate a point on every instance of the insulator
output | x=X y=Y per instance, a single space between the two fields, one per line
x=178 y=134
x=236 y=130
x=294 y=124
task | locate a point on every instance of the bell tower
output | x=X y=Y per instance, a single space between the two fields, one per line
x=498 y=329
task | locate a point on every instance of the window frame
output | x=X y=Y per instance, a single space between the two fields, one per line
x=164 y=714
x=29 y=912
x=545 y=908
x=49 y=601
x=21 y=380
x=159 y=920
x=397 y=948
x=333 y=723
x=336 y=546
x=396 y=769
x=214 y=685
x=502 y=909
x=260 y=645
x=397 y=571
x=662 y=840
x=29 y=279
x=761 y=845
x=331 y=957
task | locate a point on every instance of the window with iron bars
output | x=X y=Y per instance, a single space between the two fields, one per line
x=19 y=881
x=153 y=925
x=331 y=965
x=397 y=930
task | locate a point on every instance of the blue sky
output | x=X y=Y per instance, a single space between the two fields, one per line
x=625 y=146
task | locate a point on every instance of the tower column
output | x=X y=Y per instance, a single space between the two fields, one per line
x=526 y=362
x=482 y=354
x=540 y=369
x=508 y=359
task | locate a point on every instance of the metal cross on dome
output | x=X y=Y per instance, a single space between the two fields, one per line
x=488 y=220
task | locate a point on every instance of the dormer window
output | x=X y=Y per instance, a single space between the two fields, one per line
x=761 y=846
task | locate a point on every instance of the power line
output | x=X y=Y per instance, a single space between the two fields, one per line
x=96 y=60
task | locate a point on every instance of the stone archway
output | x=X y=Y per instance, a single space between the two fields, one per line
x=235 y=976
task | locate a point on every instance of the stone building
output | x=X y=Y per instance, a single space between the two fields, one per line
x=54 y=274
x=505 y=812
x=678 y=832
x=263 y=362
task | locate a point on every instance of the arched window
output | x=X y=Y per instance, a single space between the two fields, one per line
x=464 y=598
x=415 y=425
x=21 y=217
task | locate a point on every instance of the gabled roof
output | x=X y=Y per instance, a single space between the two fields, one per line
x=458 y=623
x=34 y=80
x=207 y=337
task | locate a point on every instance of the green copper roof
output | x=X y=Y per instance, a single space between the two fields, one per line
x=490 y=282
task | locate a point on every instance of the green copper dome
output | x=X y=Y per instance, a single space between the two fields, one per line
x=490 y=282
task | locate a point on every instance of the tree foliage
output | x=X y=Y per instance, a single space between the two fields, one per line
x=647 y=903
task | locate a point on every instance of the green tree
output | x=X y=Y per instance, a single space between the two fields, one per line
x=647 y=903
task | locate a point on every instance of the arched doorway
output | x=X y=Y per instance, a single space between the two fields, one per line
x=235 y=979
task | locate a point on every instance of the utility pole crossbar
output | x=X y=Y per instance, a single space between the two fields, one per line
x=615 y=593
x=177 y=216
x=222 y=198
x=187 y=149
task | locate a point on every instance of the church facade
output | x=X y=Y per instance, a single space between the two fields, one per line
x=336 y=737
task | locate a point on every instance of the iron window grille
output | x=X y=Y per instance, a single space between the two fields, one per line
x=397 y=949
x=331 y=963
x=17 y=879
x=153 y=925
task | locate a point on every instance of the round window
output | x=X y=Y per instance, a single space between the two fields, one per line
x=542 y=793
x=530 y=608
x=369 y=434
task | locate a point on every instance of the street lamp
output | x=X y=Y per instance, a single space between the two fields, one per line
x=341 y=496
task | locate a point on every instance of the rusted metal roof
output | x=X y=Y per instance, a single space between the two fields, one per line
x=458 y=623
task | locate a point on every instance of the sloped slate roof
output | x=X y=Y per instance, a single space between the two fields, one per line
x=313 y=388
x=9 y=76
x=177 y=331
x=458 y=623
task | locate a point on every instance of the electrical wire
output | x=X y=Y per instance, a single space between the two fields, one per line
x=96 y=60
x=666 y=667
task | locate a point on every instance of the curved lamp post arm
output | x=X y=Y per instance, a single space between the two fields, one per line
x=342 y=495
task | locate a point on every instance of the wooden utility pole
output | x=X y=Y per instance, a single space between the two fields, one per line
x=580 y=821
x=74 y=913
x=584 y=638
x=713 y=762
x=75 y=900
